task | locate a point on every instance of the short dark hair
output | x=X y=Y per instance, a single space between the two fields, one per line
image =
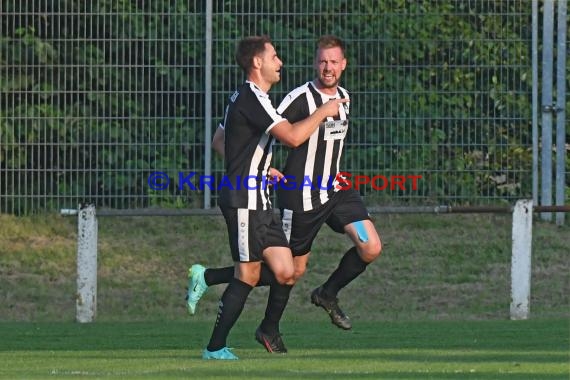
x=248 y=48
x=329 y=41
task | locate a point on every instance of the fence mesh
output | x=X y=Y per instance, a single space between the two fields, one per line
x=96 y=96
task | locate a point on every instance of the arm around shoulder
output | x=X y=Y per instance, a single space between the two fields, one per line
x=293 y=135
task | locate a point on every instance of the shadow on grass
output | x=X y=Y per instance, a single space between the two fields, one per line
x=531 y=335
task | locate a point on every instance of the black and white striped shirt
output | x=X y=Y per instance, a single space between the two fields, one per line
x=248 y=148
x=314 y=165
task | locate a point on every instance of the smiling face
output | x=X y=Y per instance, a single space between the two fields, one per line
x=259 y=61
x=329 y=65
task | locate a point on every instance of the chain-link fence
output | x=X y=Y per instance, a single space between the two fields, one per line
x=100 y=98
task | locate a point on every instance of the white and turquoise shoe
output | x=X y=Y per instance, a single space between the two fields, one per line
x=196 y=286
x=222 y=354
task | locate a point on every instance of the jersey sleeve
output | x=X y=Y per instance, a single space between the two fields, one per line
x=260 y=111
x=273 y=116
x=294 y=107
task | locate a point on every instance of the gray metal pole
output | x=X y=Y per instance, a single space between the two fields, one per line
x=547 y=106
x=560 y=108
x=535 y=148
x=442 y=209
x=208 y=103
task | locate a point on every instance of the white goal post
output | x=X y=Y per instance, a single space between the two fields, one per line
x=86 y=296
x=521 y=259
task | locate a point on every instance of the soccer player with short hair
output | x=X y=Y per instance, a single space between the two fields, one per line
x=305 y=209
x=251 y=125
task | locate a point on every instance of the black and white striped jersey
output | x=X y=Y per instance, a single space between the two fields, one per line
x=312 y=167
x=248 y=148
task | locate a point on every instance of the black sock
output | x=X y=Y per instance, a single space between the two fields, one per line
x=230 y=308
x=215 y=276
x=276 y=303
x=350 y=267
x=267 y=277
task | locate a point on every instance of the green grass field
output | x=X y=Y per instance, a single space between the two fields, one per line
x=536 y=349
x=434 y=305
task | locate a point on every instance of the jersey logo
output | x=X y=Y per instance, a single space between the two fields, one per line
x=234 y=96
x=336 y=129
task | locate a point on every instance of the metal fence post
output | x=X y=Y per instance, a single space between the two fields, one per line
x=521 y=259
x=561 y=110
x=86 y=298
x=208 y=103
x=547 y=106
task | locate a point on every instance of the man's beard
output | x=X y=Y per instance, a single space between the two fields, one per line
x=326 y=85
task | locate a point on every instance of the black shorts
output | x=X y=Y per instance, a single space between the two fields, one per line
x=301 y=227
x=251 y=232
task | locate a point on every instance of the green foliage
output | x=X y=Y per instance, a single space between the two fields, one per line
x=440 y=89
x=96 y=133
x=442 y=116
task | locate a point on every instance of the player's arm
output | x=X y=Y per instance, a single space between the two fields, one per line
x=218 y=142
x=293 y=135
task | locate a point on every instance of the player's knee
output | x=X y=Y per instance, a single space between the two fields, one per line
x=370 y=250
x=377 y=248
x=285 y=276
x=249 y=274
x=285 y=280
x=299 y=272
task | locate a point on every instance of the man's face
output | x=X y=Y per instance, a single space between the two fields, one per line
x=329 y=65
x=270 y=65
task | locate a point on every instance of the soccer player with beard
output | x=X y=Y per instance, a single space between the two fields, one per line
x=304 y=209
